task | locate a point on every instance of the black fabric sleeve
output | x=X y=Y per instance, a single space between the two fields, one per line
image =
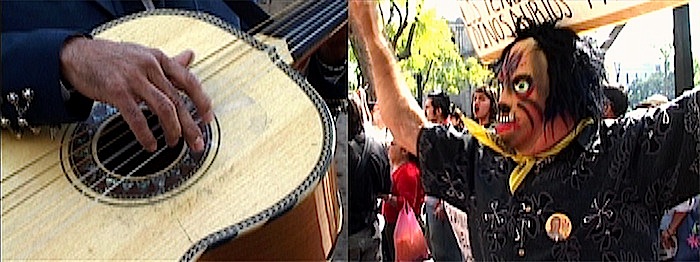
x=381 y=182
x=446 y=164
x=667 y=150
x=31 y=60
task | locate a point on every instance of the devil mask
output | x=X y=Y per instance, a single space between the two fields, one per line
x=545 y=74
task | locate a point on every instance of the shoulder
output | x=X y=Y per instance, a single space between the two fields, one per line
x=408 y=171
x=442 y=140
x=441 y=132
x=412 y=167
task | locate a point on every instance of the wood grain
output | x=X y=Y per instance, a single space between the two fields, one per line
x=272 y=137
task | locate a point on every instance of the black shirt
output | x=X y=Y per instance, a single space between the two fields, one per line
x=613 y=182
x=367 y=184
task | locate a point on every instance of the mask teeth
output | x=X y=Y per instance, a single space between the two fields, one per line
x=505 y=118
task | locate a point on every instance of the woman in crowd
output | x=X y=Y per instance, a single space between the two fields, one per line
x=484 y=107
x=405 y=188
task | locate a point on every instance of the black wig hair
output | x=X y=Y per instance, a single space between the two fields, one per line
x=574 y=67
x=493 y=104
x=442 y=101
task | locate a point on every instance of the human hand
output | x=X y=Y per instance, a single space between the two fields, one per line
x=390 y=199
x=125 y=74
x=439 y=212
x=667 y=240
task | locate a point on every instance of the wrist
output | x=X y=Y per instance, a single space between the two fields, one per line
x=671 y=231
x=68 y=54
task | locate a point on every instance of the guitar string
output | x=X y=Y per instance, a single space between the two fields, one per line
x=161 y=150
x=328 y=9
x=258 y=27
x=279 y=29
x=104 y=146
x=134 y=142
x=251 y=48
x=131 y=144
x=108 y=160
x=74 y=215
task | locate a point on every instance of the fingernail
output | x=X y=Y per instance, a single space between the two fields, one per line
x=152 y=148
x=208 y=117
x=198 y=144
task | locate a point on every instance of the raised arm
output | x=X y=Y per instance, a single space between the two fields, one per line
x=666 y=141
x=400 y=111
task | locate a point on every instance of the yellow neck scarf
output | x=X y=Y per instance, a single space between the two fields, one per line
x=525 y=163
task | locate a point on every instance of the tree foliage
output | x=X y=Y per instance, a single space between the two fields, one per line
x=662 y=81
x=423 y=44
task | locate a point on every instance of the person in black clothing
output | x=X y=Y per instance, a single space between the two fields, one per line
x=552 y=158
x=437 y=108
x=369 y=176
x=616 y=102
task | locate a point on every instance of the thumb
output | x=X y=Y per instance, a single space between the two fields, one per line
x=185 y=58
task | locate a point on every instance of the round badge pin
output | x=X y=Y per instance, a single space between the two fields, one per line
x=558 y=227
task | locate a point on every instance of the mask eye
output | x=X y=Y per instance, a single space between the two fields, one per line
x=522 y=86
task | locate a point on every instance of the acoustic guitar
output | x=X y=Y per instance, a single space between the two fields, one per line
x=261 y=190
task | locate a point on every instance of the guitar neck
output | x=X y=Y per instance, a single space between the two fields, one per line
x=305 y=25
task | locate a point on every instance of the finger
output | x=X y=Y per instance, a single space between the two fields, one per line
x=137 y=123
x=191 y=131
x=185 y=58
x=163 y=106
x=183 y=79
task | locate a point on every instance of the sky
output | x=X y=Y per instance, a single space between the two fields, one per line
x=637 y=44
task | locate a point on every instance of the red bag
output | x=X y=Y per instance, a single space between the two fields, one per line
x=409 y=242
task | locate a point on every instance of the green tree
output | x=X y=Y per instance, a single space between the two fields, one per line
x=423 y=45
x=662 y=81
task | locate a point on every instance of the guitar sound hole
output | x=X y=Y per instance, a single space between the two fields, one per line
x=126 y=155
x=104 y=160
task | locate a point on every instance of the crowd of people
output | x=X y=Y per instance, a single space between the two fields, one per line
x=555 y=166
x=679 y=231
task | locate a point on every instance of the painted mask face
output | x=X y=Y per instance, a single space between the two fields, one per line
x=481 y=105
x=524 y=90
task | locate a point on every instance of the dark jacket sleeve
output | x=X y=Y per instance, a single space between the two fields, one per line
x=31 y=60
x=667 y=149
x=380 y=163
x=33 y=33
x=446 y=164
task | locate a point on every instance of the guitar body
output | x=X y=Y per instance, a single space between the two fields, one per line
x=93 y=195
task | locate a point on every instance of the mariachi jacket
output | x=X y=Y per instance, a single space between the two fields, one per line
x=610 y=185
